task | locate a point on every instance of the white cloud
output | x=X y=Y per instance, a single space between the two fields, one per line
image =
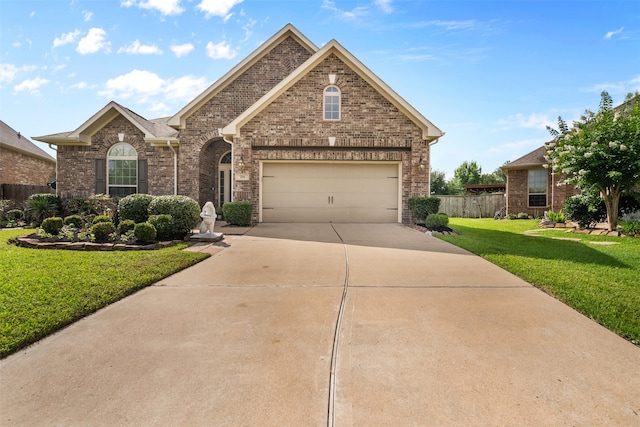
x=80 y=86
x=31 y=86
x=219 y=8
x=136 y=48
x=616 y=88
x=165 y=7
x=345 y=14
x=384 y=5
x=8 y=72
x=532 y=121
x=610 y=34
x=248 y=29
x=146 y=87
x=138 y=83
x=93 y=42
x=220 y=50
x=181 y=49
x=66 y=38
x=87 y=15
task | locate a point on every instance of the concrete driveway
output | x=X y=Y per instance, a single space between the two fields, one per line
x=428 y=334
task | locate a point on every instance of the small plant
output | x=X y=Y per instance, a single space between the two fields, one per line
x=556 y=216
x=145 y=232
x=522 y=215
x=52 y=225
x=126 y=225
x=439 y=220
x=67 y=232
x=237 y=213
x=102 y=231
x=41 y=206
x=511 y=216
x=585 y=209
x=101 y=218
x=163 y=224
x=15 y=215
x=75 y=220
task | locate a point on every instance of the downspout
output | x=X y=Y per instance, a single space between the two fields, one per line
x=175 y=168
x=429 y=145
x=56 y=150
x=233 y=165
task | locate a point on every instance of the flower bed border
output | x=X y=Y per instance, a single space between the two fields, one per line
x=33 y=243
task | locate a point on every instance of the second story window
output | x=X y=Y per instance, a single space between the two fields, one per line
x=332 y=103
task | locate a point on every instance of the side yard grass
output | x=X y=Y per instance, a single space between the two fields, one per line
x=602 y=281
x=43 y=290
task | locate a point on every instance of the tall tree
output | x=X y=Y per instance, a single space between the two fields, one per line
x=601 y=152
x=439 y=182
x=468 y=173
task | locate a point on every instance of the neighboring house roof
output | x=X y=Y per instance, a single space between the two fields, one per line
x=156 y=131
x=429 y=130
x=178 y=120
x=532 y=159
x=12 y=140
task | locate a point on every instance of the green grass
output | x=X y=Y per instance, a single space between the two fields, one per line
x=602 y=282
x=42 y=290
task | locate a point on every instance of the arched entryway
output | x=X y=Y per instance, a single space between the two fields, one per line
x=224 y=179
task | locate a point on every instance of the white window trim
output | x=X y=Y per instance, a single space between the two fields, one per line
x=324 y=103
x=546 y=189
x=109 y=157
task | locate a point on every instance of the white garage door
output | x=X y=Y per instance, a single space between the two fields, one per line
x=330 y=192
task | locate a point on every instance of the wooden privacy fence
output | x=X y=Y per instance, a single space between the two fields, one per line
x=481 y=206
x=20 y=192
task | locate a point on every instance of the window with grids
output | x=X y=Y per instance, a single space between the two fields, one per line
x=332 y=103
x=122 y=170
x=537 y=188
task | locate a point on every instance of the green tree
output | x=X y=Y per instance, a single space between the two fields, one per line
x=468 y=173
x=439 y=182
x=600 y=154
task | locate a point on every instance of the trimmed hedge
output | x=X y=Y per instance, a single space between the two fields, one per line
x=126 y=225
x=52 y=225
x=163 y=224
x=184 y=210
x=102 y=230
x=237 y=213
x=76 y=220
x=134 y=207
x=437 y=220
x=145 y=232
x=421 y=207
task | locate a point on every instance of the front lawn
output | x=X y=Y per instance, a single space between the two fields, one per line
x=600 y=281
x=42 y=290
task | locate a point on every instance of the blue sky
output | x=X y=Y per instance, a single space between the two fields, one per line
x=491 y=74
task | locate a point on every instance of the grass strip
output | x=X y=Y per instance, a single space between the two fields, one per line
x=43 y=290
x=600 y=281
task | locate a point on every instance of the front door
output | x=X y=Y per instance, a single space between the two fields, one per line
x=224 y=180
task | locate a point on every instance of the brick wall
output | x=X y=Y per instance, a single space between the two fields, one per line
x=18 y=168
x=76 y=164
x=370 y=129
x=202 y=126
x=518 y=193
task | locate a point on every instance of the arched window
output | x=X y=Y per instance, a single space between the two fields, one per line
x=122 y=170
x=332 y=103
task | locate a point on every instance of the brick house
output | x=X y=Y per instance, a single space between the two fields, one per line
x=21 y=161
x=306 y=134
x=532 y=187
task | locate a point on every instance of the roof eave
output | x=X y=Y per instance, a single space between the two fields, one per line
x=27 y=152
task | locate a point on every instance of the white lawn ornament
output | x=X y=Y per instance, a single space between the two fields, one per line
x=208 y=216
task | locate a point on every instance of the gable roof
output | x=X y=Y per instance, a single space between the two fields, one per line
x=429 y=130
x=178 y=120
x=532 y=159
x=14 y=141
x=156 y=131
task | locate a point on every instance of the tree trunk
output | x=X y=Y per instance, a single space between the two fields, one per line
x=611 y=201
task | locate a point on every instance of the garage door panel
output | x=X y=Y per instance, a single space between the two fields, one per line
x=324 y=192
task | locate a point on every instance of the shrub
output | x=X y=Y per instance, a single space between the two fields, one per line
x=437 y=220
x=145 y=232
x=52 y=225
x=102 y=230
x=98 y=204
x=522 y=215
x=237 y=213
x=585 y=209
x=75 y=220
x=557 y=216
x=14 y=214
x=126 y=225
x=423 y=206
x=101 y=218
x=134 y=207
x=163 y=224
x=184 y=211
x=41 y=206
x=630 y=223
